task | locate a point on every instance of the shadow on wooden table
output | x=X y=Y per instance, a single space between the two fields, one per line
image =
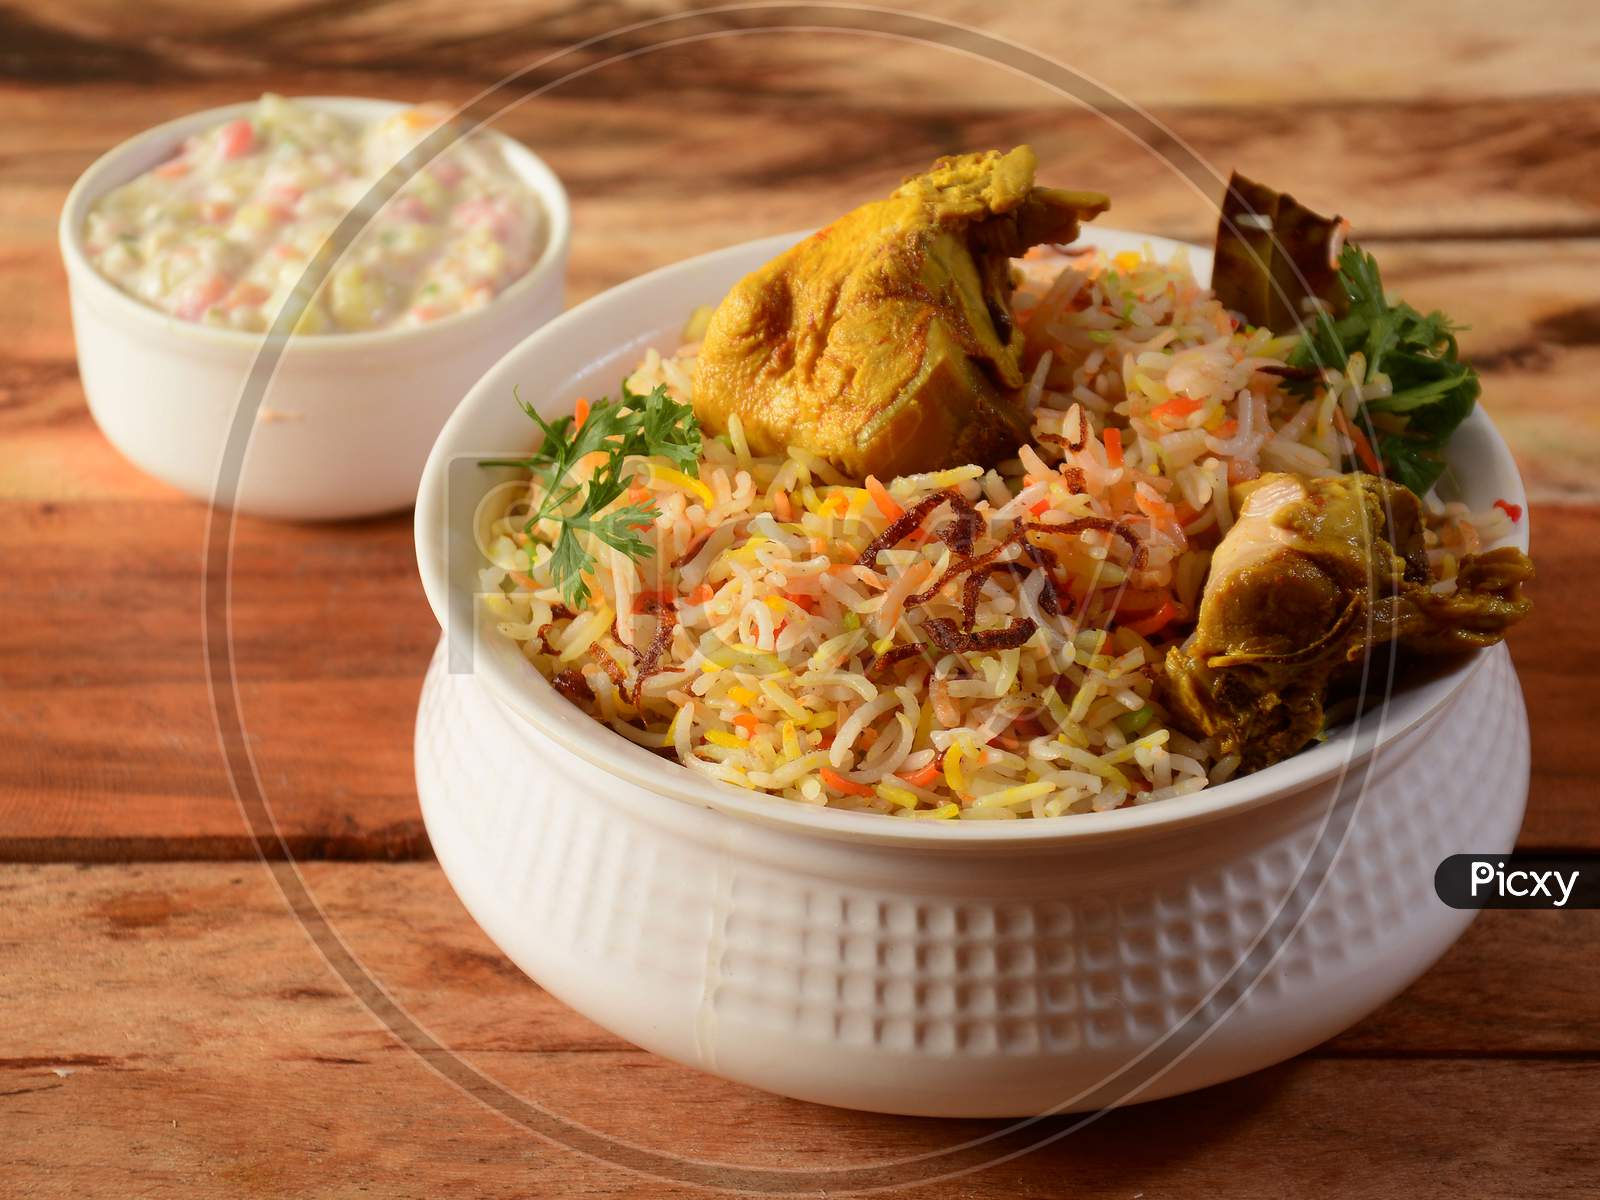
x=1130 y=1144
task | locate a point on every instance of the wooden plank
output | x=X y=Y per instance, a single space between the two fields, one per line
x=1558 y=662
x=1253 y=55
x=1493 y=167
x=1535 y=339
x=191 y=1043
x=1510 y=988
x=111 y=747
x=336 y=1125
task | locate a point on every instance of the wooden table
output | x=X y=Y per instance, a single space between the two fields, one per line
x=166 y=1027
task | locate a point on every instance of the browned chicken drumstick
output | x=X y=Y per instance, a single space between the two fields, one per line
x=1316 y=573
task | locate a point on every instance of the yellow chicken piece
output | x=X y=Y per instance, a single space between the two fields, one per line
x=885 y=342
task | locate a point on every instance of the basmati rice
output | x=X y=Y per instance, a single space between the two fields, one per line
x=798 y=666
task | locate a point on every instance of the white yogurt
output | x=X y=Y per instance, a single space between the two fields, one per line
x=222 y=232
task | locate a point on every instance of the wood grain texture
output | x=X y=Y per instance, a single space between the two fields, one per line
x=142 y=1087
x=170 y=1031
x=1361 y=49
x=665 y=176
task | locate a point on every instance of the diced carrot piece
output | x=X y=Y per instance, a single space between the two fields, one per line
x=1137 y=602
x=202 y=295
x=580 y=412
x=1156 y=510
x=1177 y=408
x=923 y=778
x=1514 y=511
x=1113 y=440
x=886 y=503
x=781 y=508
x=748 y=723
x=702 y=593
x=1159 y=620
x=237 y=138
x=839 y=783
x=248 y=293
x=1363 y=448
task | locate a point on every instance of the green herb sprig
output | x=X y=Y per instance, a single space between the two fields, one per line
x=1433 y=390
x=653 y=424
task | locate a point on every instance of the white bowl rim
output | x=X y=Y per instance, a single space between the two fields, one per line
x=111 y=170
x=530 y=697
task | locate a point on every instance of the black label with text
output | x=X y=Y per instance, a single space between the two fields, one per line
x=1519 y=881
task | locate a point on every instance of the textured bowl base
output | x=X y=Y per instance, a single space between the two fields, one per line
x=995 y=983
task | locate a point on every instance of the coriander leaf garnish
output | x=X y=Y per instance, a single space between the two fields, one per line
x=670 y=429
x=648 y=425
x=1433 y=391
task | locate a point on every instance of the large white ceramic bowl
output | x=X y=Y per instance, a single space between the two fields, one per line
x=348 y=418
x=955 y=969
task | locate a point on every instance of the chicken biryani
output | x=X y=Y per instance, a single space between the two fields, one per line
x=940 y=516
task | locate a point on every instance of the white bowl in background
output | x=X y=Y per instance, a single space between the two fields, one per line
x=953 y=969
x=348 y=418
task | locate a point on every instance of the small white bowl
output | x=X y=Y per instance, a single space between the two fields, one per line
x=954 y=969
x=347 y=419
